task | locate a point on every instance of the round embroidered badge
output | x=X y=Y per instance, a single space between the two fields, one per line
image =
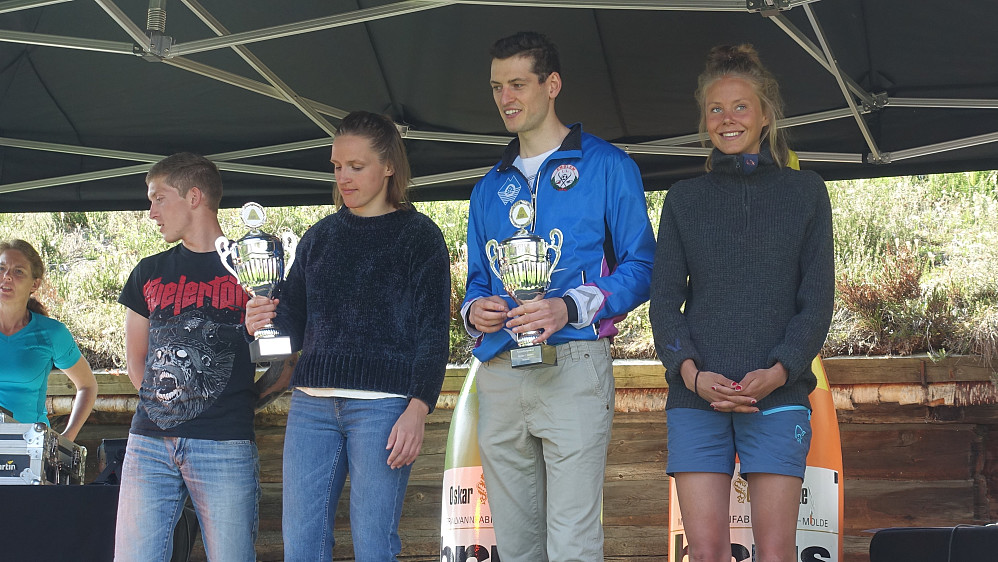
x=565 y=177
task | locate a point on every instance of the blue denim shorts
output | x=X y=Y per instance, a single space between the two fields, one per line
x=773 y=441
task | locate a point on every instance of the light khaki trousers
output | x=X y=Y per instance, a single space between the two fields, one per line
x=543 y=435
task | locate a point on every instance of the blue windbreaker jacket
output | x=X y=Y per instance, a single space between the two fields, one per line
x=592 y=192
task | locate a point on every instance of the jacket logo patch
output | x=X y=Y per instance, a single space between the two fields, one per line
x=510 y=190
x=565 y=177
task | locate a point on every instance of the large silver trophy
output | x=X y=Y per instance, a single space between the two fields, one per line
x=260 y=261
x=524 y=262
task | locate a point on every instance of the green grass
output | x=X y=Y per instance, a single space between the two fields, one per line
x=916 y=259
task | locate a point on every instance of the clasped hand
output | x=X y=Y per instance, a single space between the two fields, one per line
x=491 y=314
x=726 y=395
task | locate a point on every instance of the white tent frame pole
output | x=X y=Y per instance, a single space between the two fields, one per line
x=223 y=163
x=247 y=84
x=875 y=155
x=303 y=104
x=412 y=134
x=817 y=54
x=78 y=150
x=943 y=103
x=845 y=157
x=144 y=157
x=322 y=142
x=286 y=173
x=131 y=28
x=262 y=69
x=149 y=159
x=659 y=5
x=225 y=76
x=277 y=89
x=16 y=5
x=445 y=177
x=841 y=157
x=410 y=6
x=942 y=147
x=79 y=43
x=221 y=160
x=74 y=178
x=307 y=26
x=786 y=122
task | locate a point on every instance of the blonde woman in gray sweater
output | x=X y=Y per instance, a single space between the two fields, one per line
x=741 y=302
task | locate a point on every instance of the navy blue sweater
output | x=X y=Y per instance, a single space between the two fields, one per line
x=751 y=257
x=367 y=301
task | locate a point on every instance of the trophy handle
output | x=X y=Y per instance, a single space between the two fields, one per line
x=290 y=242
x=556 y=239
x=492 y=253
x=224 y=248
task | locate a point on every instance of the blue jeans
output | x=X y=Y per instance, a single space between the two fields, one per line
x=327 y=438
x=222 y=479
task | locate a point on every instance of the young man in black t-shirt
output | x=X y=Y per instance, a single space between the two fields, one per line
x=192 y=432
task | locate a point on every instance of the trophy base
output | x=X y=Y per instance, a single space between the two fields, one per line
x=531 y=356
x=265 y=350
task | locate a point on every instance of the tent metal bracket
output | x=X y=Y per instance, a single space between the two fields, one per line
x=767 y=8
x=158 y=48
x=876 y=102
x=879 y=158
x=160 y=44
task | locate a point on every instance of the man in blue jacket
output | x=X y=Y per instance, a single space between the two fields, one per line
x=543 y=431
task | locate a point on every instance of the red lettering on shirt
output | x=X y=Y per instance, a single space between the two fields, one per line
x=223 y=293
x=169 y=290
x=153 y=293
x=179 y=296
x=205 y=292
x=190 y=296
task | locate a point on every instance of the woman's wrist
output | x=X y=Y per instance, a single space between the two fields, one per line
x=689 y=373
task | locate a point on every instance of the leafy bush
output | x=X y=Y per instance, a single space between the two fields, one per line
x=917 y=265
x=894 y=314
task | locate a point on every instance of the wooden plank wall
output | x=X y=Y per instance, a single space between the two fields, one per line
x=919 y=440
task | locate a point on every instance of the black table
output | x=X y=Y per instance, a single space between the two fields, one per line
x=58 y=523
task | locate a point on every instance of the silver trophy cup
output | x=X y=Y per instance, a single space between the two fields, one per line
x=259 y=261
x=524 y=262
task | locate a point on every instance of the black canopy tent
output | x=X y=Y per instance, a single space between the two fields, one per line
x=93 y=92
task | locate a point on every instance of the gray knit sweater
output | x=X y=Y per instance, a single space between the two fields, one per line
x=751 y=257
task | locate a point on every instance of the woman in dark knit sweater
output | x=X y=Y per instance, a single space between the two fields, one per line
x=368 y=303
x=741 y=302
